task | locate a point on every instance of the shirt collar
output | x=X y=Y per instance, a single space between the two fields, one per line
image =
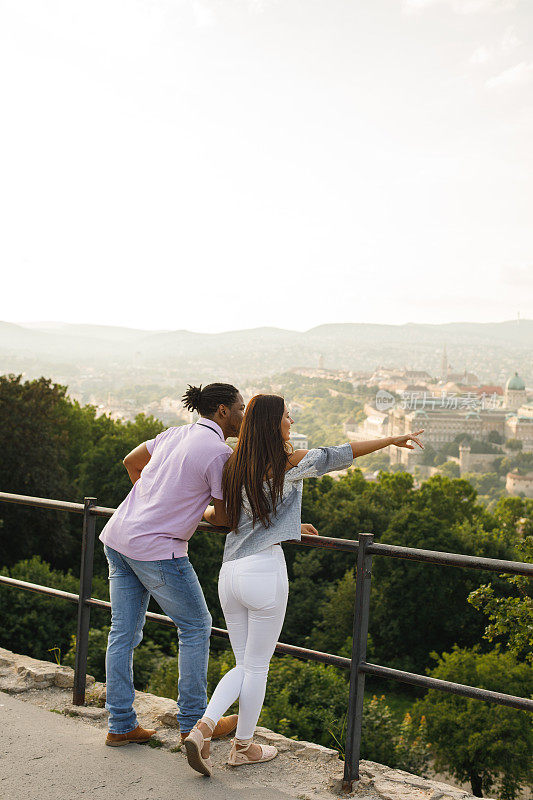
x=210 y=423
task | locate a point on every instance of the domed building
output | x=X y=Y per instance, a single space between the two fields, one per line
x=515 y=392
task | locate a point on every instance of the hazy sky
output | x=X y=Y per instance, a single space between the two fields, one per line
x=221 y=164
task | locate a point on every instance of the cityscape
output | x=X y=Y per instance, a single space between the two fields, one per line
x=465 y=385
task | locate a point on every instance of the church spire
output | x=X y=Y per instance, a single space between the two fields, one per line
x=444 y=365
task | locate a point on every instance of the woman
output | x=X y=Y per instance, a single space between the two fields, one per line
x=262 y=488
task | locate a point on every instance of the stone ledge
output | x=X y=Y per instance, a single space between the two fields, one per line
x=395 y=784
x=87 y=712
x=22 y=673
x=19 y=674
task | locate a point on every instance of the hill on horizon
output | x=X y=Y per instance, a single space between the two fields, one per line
x=491 y=350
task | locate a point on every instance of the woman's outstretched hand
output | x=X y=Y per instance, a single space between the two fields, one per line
x=308 y=529
x=401 y=441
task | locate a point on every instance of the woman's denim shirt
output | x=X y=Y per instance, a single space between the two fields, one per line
x=285 y=524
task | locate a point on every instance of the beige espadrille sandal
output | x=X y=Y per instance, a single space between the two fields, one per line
x=239 y=757
x=194 y=744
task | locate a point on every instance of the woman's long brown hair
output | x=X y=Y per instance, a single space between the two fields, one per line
x=260 y=455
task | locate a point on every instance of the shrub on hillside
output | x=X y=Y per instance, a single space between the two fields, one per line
x=33 y=624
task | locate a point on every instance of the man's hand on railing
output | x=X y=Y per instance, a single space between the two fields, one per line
x=216 y=514
x=308 y=529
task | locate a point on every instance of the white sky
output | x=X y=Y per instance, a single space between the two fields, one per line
x=223 y=164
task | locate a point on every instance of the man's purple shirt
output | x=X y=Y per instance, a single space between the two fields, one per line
x=164 y=507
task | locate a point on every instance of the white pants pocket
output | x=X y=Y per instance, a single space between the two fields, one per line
x=256 y=590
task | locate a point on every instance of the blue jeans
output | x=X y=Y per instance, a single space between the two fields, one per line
x=174 y=585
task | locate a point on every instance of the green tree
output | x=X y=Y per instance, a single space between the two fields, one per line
x=34 y=446
x=146 y=658
x=510 y=618
x=333 y=633
x=514 y=517
x=483 y=743
x=450 y=469
x=34 y=623
x=403 y=746
x=485 y=482
x=418 y=607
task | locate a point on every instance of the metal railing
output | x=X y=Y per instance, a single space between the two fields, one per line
x=364 y=549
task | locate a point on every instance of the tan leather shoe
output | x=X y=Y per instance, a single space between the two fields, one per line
x=138 y=735
x=225 y=726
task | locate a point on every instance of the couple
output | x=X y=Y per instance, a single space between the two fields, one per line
x=256 y=492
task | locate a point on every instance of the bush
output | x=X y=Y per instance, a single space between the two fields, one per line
x=145 y=659
x=483 y=743
x=33 y=624
x=404 y=747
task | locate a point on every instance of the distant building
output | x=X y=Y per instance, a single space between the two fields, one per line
x=520 y=426
x=444 y=366
x=299 y=441
x=519 y=484
x=515 y=392
x=351 y=429
x=474 y=462
x=445 y=412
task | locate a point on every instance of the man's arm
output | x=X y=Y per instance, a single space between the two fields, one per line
x=216 y=514
x=136 y=461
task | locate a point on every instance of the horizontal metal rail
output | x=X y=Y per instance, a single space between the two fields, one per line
x=377 y=670
x=42 y=502
x=452 y=559
x=426 y=682
x=162 y=619
x=327 y=542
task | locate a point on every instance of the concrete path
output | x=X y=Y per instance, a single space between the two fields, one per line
x=47 y=756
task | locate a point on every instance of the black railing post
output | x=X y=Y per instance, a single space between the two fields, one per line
x=84 y=610
x=357 y=679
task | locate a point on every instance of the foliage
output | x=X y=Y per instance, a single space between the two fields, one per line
x=374 y=462
x=483 y=743
x=319 y=406
x=510 y=618
x=451 y=469
x=518 y=462
x=101 y=471
x=164 y=678
x=308 y=701
x=34 y=624
x=146 y=657
x=485 y=482
x=442 y=515
x=34 y=446
x=332 y=633
x=401 y=747
x=512 y=513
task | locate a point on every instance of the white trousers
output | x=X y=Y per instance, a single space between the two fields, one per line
x=253 y=594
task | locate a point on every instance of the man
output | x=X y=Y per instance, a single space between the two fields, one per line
x=174 y=478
